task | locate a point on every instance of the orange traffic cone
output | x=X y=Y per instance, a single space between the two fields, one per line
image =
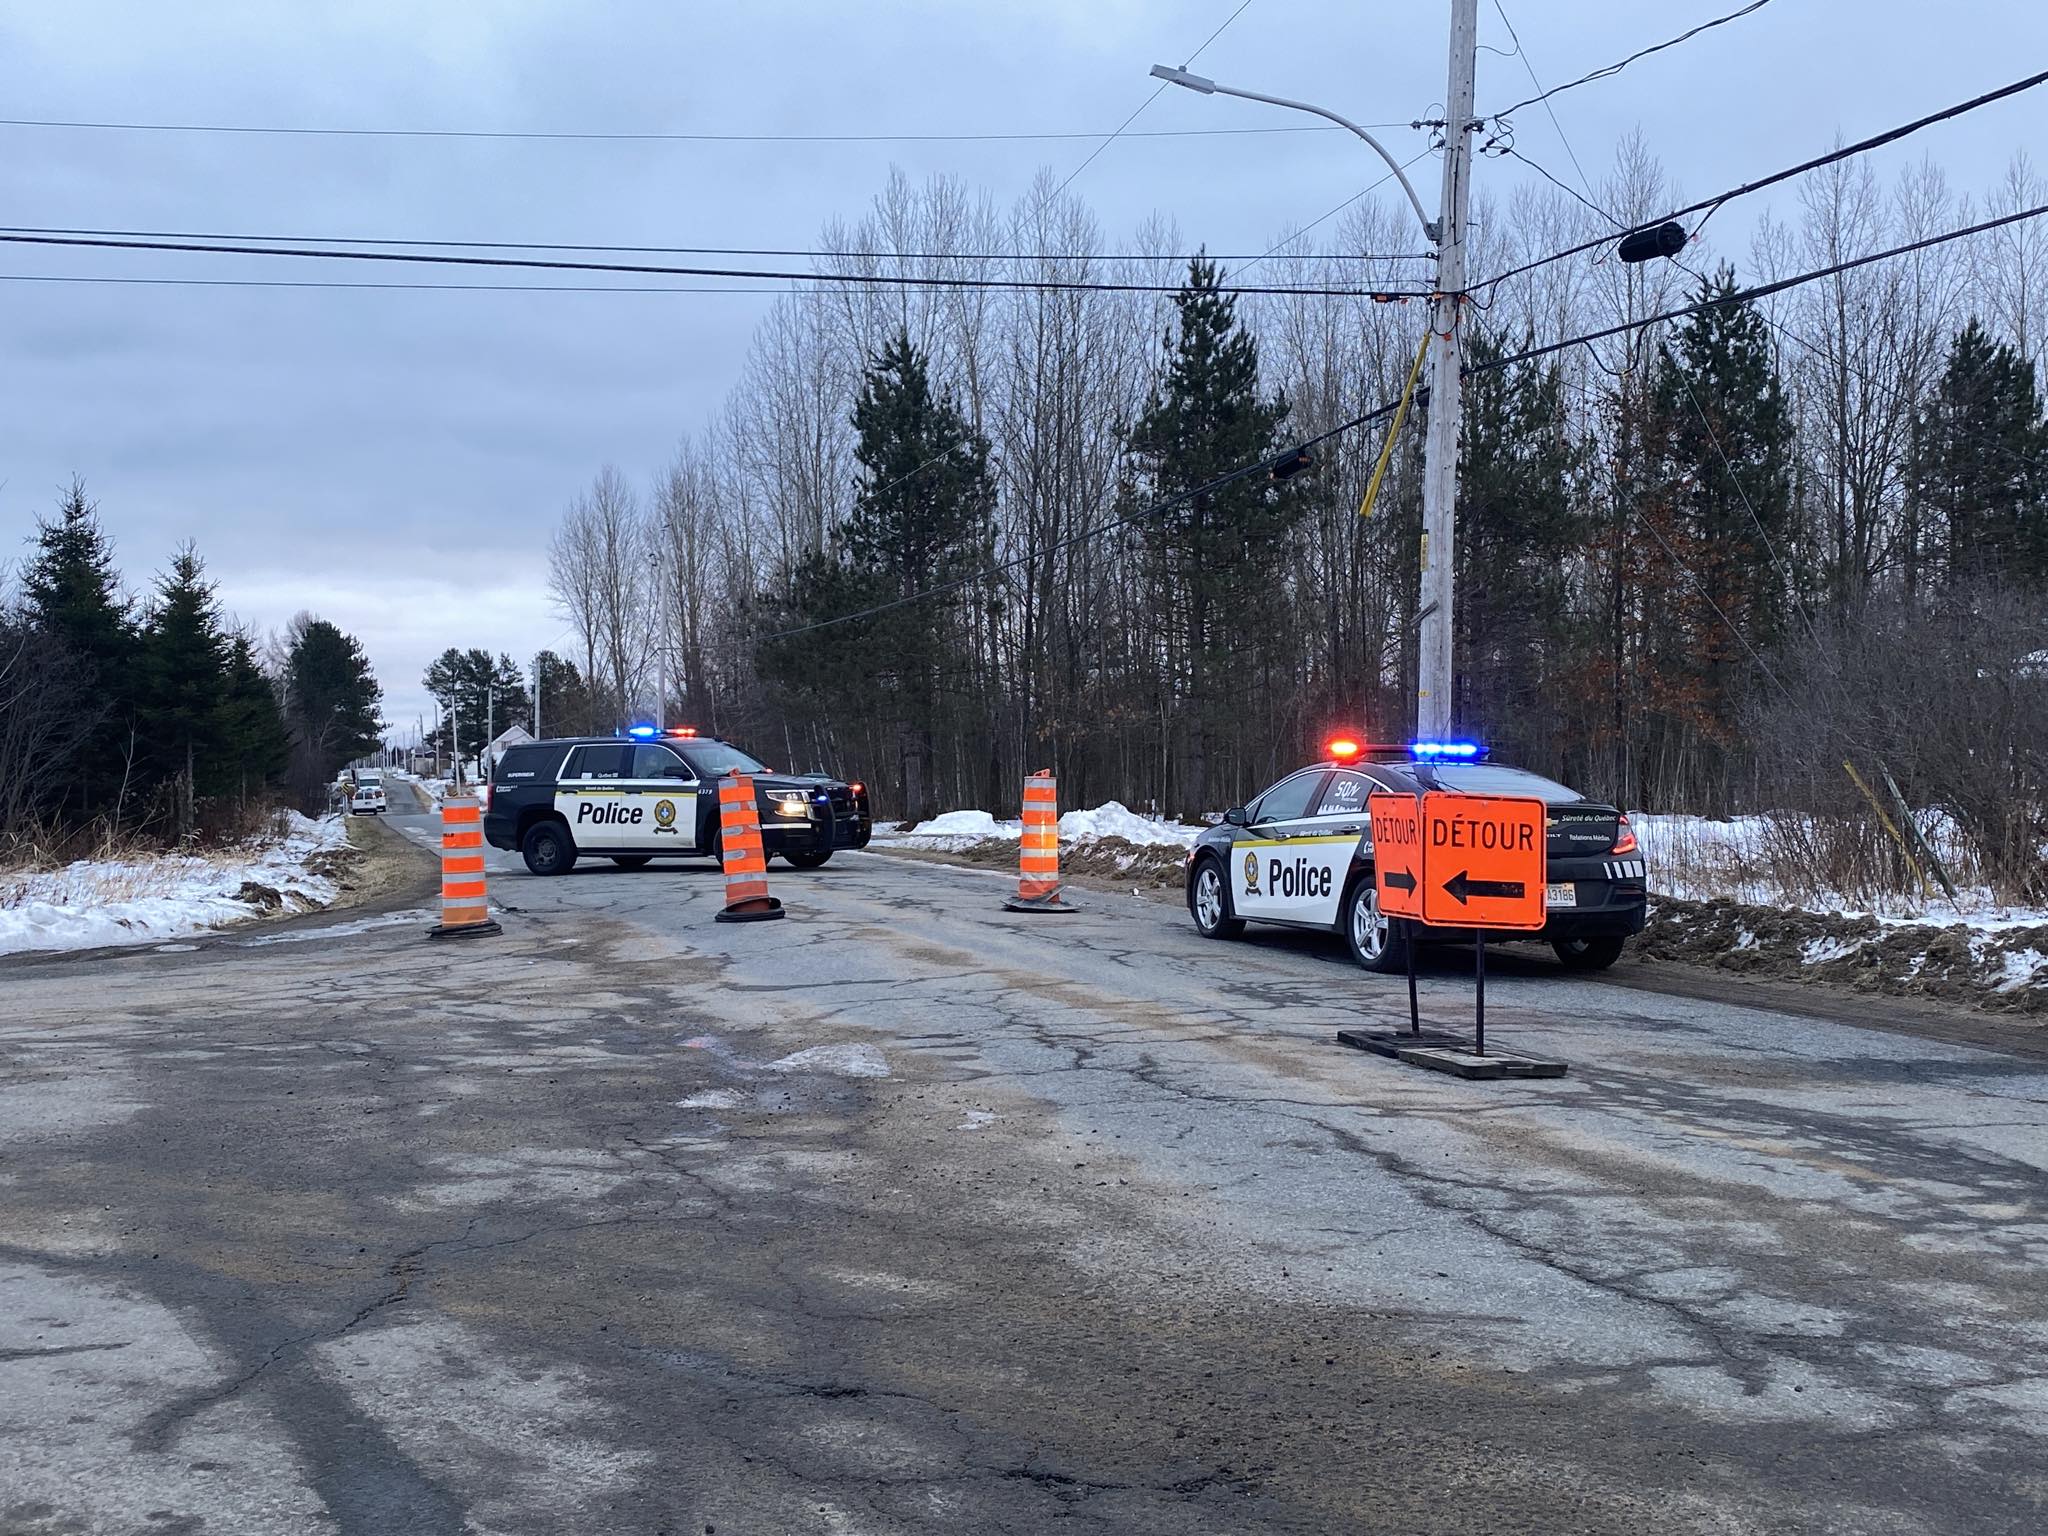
x=465 y=909
x=1038 y=852
x=746 y=861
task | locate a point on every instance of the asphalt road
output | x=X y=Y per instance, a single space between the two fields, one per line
x=905 y=1214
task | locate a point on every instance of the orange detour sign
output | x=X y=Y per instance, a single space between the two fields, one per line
x=1483 y=860
x=1397 y=853
x=746 y=861
x=465 y=911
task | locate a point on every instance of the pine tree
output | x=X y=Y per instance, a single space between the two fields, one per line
x=332 y=701
x=73 y=595
x=482 y=694
x=565 y=705
x=1980 y=470
x=182 y=666
x=255 y=746
x=1215 y=557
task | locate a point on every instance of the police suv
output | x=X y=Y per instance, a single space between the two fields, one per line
x=653 y=794
x=1300 y=855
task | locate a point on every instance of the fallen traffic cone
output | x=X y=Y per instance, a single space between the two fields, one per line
x=465 y=909
x=1038 y=852
x=746 y=861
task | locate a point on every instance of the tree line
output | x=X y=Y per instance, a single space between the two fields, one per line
x=1692 y=558
x=156 y=715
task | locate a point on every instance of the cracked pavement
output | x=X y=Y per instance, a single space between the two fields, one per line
x=614 y=1223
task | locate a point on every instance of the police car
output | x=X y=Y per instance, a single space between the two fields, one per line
x=1300 y=856
x=652 y=794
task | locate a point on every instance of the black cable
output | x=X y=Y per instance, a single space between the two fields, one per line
x=662 y=138
x=1563 y=187
x=1862 y=146
x=1762 y=290
x=1357 y=196
x=1230 y=477
x=97 y=279
x=1641 y=53
x=1529 y=67
x=660 y=250
x=828 y=280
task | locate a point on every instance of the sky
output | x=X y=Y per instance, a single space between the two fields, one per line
x=395 y=460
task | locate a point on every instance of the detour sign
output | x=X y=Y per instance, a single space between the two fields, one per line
x=1397 y=853
x=1483 y=860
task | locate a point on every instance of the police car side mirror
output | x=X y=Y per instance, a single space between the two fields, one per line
x=1236 y=817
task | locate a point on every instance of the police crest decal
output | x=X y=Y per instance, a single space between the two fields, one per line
x=1251 y=874
x=665 y=814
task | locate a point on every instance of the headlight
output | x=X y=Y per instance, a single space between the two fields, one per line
x=790 y=802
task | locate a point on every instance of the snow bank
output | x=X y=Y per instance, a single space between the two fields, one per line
x=956 y=830
x=93 y=903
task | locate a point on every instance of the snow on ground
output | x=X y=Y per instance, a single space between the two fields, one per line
x=956 y=830
x=1698 y=859
x=137 y=901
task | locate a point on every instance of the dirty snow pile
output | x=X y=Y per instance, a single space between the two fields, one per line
x=136 y=901
x=956 y=830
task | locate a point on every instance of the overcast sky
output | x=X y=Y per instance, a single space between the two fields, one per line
x=395 y=460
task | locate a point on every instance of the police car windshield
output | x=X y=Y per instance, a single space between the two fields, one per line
x=712 y=758
x=1500 y=779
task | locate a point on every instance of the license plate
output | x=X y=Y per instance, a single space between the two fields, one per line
x=1563 y=894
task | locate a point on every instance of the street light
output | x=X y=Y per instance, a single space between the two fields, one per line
x=1208 y=87
x=1433 y=693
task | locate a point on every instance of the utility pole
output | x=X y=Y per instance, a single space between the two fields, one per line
x=1434 y=700
x=536 y=698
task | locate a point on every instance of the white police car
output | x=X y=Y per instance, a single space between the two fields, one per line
x=1300 y=856
x=366 y=797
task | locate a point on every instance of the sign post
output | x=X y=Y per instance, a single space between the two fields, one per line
x=1475 y=862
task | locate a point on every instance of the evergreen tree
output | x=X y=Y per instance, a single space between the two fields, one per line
x=566 y=707
x=332 y=702
x=1522 y=521
x=478 y=693
x=1216 y=558
x=255 y=746
x=921 y=519
x=1980 y=469
x=182 y=666
x=73 y=595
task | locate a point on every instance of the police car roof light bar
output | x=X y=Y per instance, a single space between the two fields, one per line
x=680 y=730
x=1342 y=749
x=1448 y=751
x=641 y=731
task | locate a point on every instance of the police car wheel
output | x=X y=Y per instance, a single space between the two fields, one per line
x=1377 y=943
x=1588 y=954
x=632 y=860
x=809 y=858
x=547 y=849
x=1210 y=905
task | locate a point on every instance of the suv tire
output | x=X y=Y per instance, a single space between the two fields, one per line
x=1378 y=943
x=1589 y=954
x=547 y=848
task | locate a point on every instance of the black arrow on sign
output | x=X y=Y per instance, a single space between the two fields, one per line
x=1459 y=887
x=1399 y=880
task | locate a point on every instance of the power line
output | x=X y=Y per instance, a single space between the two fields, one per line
x=1140 y=108
x=1230 y=477
x=1332 y=213
x=655 y=250
x=826 y=280
x=1529 y=66
x=282 y=130
x=97 y=279
x=1761 y=290
x=1862 y=146
x=1641 y=53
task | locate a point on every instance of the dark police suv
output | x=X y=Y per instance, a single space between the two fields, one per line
x=654 y=794
x=1300 y=855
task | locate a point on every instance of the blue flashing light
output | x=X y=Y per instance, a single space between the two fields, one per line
x=1447 y=751
x=644 y=732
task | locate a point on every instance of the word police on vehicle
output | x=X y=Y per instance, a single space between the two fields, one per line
x=1302 y=855
x=653 y=793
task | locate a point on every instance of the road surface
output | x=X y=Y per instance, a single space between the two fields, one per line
x=907 y=1214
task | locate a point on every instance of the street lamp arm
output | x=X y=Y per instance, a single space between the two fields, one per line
x=1210 y=88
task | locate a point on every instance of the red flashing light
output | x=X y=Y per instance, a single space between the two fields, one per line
x=680 y=730
x=857 y=787
x=1343 y=749
x=1624 y=836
